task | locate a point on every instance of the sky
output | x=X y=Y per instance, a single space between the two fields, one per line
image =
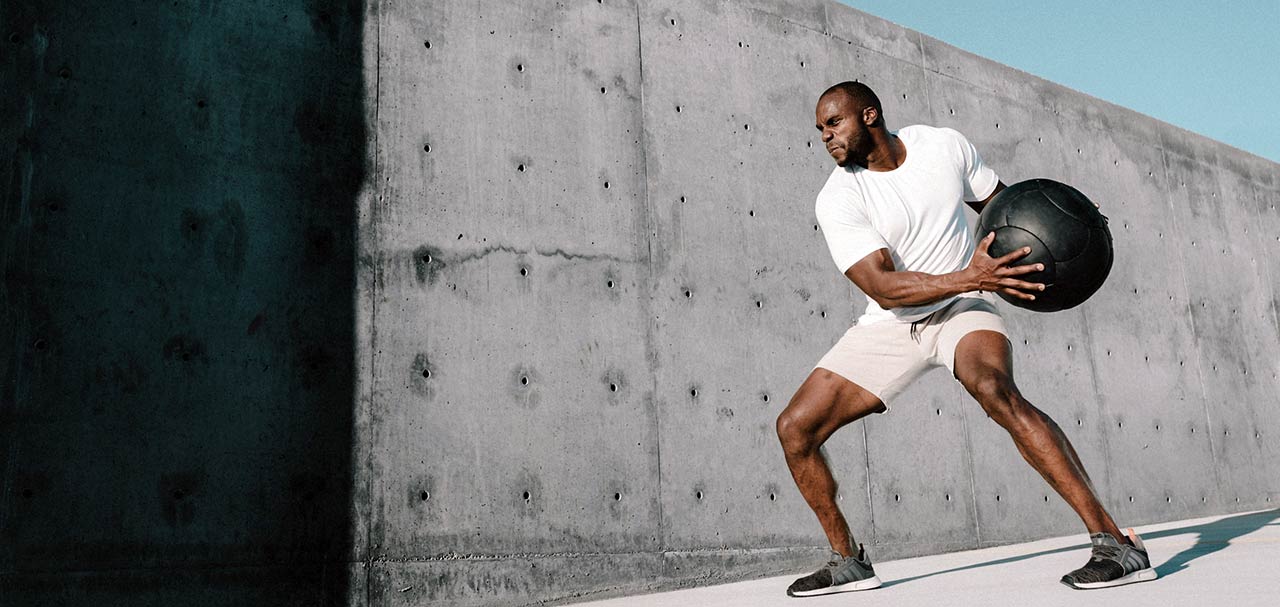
x=1210 y=67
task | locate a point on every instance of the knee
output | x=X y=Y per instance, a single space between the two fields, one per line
x=795 y=436
x=999 y=397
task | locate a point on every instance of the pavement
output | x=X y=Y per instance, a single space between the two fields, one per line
x=1222 y=561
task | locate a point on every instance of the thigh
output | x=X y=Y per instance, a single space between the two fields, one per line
x=825 y=402
x=983 y=357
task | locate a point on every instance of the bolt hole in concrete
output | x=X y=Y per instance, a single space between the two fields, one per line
x=693 y=392
x=426 y=373
x=1079 y=423
x=426 y=147
x=765 y=398
x=424 y=496
x=997 y=497
x=426 y=43
x=801 y=64
x=602 y=90
x=606 y=185
x=947 y=496
x=939 y=411
x=520 y=167
x=688 y=294
x=526 y=496
x=524 y=271
x=773 y=497
x=823 y=314
x=613 y=387
x=751 y=213
x=610 y=284
x=1046 y=499
x=896 y=497
x=1131 y=499
x=519 y=67
x=617 y=497
x=698 y=495
x=678 y=108
x=759 y=304
x=524 y=381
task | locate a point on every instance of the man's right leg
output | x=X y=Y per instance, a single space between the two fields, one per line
x=824 y=403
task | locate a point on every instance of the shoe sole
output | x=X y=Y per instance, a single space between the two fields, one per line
x=867 y=584
x=1141 y=575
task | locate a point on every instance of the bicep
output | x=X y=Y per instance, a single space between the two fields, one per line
x=869 y=271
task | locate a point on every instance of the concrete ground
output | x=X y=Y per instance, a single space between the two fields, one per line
x=1224 y=561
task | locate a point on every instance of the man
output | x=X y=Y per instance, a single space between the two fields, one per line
x=892 y=215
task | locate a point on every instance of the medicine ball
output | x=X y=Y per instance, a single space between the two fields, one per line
x=1066 y=233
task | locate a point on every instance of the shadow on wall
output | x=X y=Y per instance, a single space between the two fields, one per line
x=177 y=236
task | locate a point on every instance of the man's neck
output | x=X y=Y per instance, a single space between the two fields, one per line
x=888 y=154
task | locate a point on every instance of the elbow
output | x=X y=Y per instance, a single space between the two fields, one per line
x=885 y=303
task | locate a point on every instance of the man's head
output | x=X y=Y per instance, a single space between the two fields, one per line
x=846 y=113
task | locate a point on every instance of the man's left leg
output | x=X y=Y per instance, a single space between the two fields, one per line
x=984 y=366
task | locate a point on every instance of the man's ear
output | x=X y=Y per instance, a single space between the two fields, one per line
x=870 y=115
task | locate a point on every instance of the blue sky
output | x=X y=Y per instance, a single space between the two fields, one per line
x=1209 y=67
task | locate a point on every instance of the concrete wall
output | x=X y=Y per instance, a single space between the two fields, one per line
x=571 y=275
x=177 y=314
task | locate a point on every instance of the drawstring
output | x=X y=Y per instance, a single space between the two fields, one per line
x=915 y=326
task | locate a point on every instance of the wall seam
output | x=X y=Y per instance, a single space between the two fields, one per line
x=650 y=323
x=373 y=294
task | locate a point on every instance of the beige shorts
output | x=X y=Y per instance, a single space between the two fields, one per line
x=886 y=356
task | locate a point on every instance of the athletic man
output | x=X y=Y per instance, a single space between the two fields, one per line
x=892 y=215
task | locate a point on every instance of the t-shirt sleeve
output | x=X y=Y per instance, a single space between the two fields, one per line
x=850 y=235
x=979 y=179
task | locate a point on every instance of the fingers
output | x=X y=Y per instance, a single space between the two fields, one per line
x=1014 y=255
x=1021 y=285
x=1020 y=270
x=985 y=243
x=1018 y=294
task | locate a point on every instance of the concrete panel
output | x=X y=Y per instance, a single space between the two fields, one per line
x=735 y=319
x=511 y=405
x=177 y=230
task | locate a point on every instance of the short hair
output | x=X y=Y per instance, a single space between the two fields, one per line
x=861 y=94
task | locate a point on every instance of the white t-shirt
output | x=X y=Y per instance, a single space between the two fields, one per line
x=916 y=211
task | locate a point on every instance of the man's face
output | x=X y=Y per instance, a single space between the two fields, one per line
x=843 y=130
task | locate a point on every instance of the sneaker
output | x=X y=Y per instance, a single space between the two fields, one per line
x=840 y=575
x=1113 y=564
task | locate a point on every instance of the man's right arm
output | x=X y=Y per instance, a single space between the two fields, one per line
x=876 y=276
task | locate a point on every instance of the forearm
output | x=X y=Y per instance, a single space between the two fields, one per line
x=905 y=289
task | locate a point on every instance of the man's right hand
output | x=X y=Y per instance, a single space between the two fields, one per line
x=995 y=274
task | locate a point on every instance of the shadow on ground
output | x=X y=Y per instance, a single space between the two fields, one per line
x=1212 y=537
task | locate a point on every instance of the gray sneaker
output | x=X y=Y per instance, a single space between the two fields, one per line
x=1112 y=564
x=839 y=575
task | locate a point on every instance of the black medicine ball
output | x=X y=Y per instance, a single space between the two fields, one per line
x=1065 y=232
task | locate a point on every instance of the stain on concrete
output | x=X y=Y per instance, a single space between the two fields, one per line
x=230 y=241
x=179 y=494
